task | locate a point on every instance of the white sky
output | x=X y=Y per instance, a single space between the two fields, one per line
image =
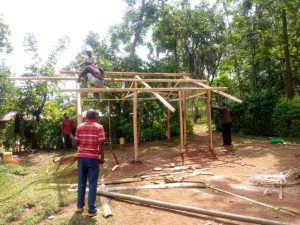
x=51 y=19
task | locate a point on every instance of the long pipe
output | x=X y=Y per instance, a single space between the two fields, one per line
x=167 y=205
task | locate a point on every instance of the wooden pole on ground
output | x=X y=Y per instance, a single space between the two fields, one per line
x=190 y=209
x=135 y=132
x=104 y=202
x=208 y=106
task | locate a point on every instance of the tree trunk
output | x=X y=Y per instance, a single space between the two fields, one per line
x=137 y=35
x=288 y=71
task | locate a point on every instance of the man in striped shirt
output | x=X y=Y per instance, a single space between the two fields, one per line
x=89 y=137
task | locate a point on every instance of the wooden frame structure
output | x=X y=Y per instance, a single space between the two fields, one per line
x=183 y=88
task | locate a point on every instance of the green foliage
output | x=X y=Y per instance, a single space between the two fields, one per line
x=286 y=117
x=48 y=130
x=7 y=93
x=254 y=116
x=5 y=45
x=156 y=132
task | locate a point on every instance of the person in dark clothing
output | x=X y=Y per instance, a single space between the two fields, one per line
x=225 y=122
x=17 y=132
x=17 y=124
x=29 y=135
x=38 y=111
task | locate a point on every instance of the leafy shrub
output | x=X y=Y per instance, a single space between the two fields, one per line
x=254 y=116
x=157 y=131
x=286 y=117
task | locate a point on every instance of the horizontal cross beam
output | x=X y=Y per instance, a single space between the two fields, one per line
x=109 y=73
x=149 y=90
x=105 y=79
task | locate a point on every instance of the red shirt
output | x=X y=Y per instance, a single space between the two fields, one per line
x=90 y=135
x=66 y=126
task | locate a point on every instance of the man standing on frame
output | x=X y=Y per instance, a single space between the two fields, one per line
x=89 y=138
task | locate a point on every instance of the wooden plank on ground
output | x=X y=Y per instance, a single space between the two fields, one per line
x=104 y=201
x=208 y=212
x=158 y=186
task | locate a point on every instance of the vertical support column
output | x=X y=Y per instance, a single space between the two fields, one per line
x=169 y=126
x=181 y=121
x=208 y=106
x=109 y=122
x=135 y=132
x=184 y=120
x=78 y=105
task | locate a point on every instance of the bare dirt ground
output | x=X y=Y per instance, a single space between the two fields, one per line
x=228 y=172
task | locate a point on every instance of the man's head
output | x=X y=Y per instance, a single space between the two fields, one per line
x=89 y=53
x=91 y=114
x=65 y=115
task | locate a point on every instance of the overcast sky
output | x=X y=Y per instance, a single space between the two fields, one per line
x=51 y=19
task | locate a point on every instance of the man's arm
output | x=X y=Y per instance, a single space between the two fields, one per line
x=77 y=141
x=62 y=128
x=219 y=108
x=101 y=139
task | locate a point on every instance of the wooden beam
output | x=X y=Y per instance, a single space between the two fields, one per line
x=164 y=101
x=135 y=131
x=114 y=99
x=151 y=80
x=105 y=79
x=196 y=96
x=147 y=90
x=78 y=106
x=218 y=91
x=161 y=93
x=208 y=106
x=177 y=207
x=43 y=78
x=109 y=73
x=169 y=126
x=159 y=186
x=126 y=96
x=171 y=91
x=181 y=122
x=184 y=120
x=104 y=202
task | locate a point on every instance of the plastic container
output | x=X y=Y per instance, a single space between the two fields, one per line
x=7 y=157
x=122 y=141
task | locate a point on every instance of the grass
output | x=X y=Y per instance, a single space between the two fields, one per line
x=27 y=199
x=25 y=187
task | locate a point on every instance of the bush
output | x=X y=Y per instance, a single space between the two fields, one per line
x=157 y=131
x=286 y=117
x=254 y=116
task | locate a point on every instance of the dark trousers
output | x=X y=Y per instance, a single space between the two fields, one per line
x=226 y=133
x=88 y=169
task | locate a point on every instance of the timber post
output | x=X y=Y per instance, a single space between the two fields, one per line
x=209 y=125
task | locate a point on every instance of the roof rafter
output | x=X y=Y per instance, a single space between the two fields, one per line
x=164 y=101
x=216 y=91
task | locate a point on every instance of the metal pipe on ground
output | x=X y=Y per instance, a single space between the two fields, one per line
x=167 y=205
